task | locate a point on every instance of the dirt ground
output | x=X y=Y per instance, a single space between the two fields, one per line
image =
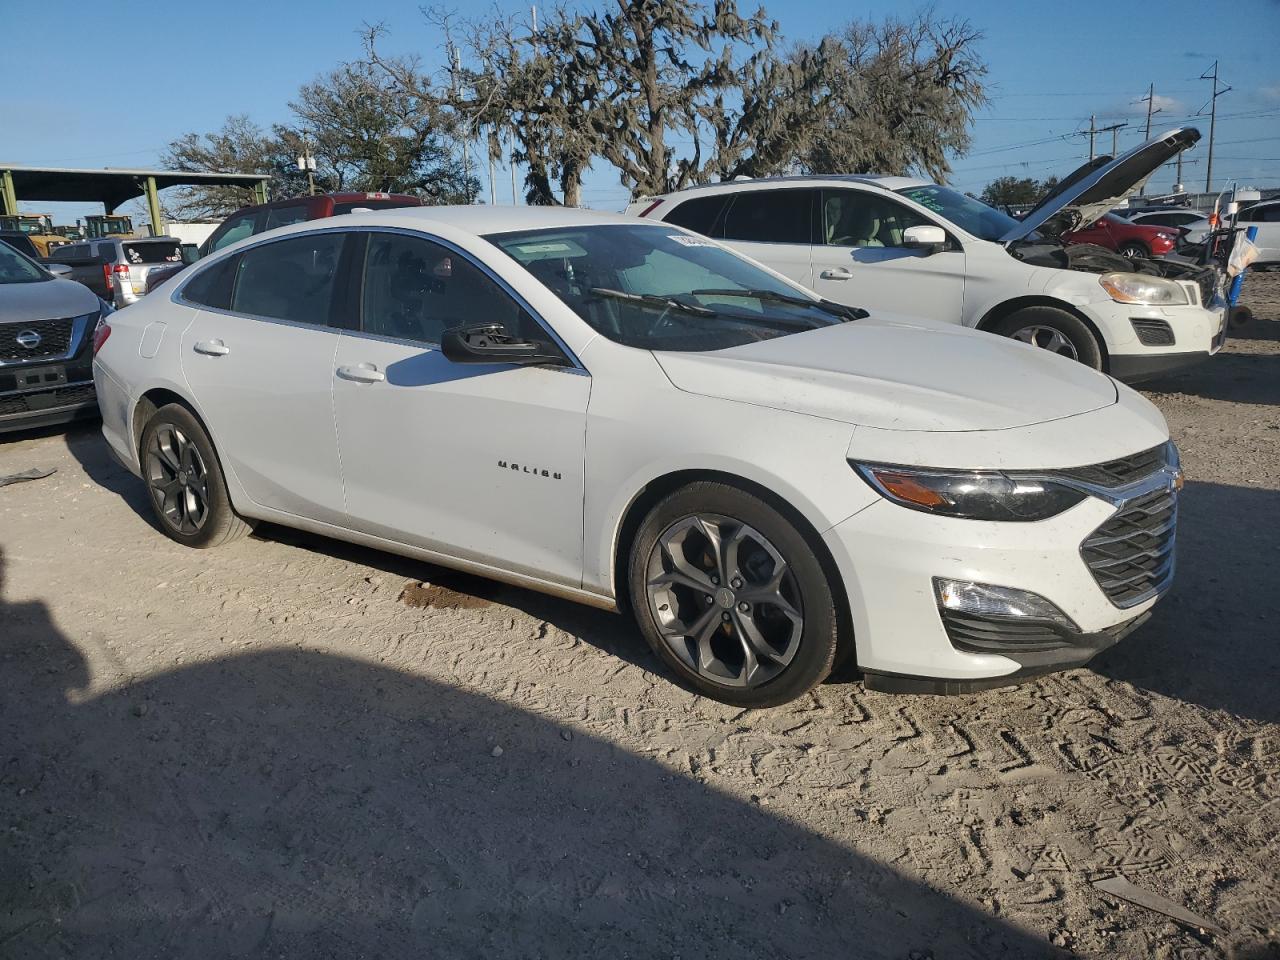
x=294 y=748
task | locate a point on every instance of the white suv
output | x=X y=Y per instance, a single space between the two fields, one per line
x=911 y=247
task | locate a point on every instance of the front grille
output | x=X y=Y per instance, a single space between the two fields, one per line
x=55 y=339
x=1131 y=555
x=1119 y=473
x=1207 y=281
x=1152 y=333
x=48 y=400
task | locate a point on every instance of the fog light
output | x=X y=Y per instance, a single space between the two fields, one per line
x=985 y=600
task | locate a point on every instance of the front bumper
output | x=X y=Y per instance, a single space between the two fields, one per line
x=1197 y=333
x=889 y=556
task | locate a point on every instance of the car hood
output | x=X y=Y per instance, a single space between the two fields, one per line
x=1104 y=183
x=897 y=375
x=45 y=300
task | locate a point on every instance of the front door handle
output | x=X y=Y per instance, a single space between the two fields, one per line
x=212 y=348
x=362 y=373
x=837 y=273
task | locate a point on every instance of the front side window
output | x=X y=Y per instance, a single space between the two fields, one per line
x=770 y=216
x=15 y=268
x=237 y=228
x=289 y=279
x=859 y=218
x=415 y=289
x=657 y=288
x=972 y=216
x=283 y=216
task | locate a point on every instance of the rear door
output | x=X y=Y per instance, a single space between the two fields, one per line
x=860 y=259
x=482 y=462
x=259 y=360
x=774 y=226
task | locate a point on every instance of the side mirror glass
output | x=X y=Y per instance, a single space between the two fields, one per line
x=489 y=343
x=929 y=238
x=58 y=269
x=190 y=253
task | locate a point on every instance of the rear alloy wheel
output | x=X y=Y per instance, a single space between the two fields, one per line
x=1133 y=251
x=1054 y=330
x=729 y=594
x=187 y=488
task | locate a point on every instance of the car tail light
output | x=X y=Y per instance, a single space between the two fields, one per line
x=121 y=268
x=100 y=334
x=650 y=208
x=106 y=275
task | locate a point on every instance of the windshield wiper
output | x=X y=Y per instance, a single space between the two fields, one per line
x=654 y=300
x=771 y=296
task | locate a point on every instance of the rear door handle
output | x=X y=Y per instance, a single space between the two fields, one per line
x=362 y=373
x=213 y=348
x=838 y=273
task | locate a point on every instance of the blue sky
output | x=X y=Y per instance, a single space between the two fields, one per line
x=117 y=86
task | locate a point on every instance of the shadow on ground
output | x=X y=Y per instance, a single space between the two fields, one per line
x=304 y=805
x=1213 y=639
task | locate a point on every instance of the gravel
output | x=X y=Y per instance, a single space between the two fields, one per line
x=282 y=748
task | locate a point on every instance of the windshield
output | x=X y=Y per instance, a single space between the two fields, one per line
x=656 y=288
x=968 y=214
x=15 y=268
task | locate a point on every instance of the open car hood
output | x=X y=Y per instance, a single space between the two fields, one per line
x=1103 y=184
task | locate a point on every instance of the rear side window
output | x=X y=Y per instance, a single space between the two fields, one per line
x=289 y=279
x=155 y=251
x=211 y=287
x=283 y=216
x=237 y=228
x=699 y=214
x=770 y=216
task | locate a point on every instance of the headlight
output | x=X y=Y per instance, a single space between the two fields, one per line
x=1139 y=288
x=973 y=495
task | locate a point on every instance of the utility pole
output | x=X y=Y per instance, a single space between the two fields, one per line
x=308 y=163
x=1092 y=133
x=1213 y=118
x=1151 y=99
x=1115 y=129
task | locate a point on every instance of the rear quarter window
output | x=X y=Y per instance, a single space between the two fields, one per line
x=701 y=214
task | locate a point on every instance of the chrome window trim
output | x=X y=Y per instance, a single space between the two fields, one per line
x=575 y=365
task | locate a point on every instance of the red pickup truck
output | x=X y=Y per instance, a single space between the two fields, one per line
x=1127 y=238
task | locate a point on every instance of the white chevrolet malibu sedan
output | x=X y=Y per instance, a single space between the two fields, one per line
x=636 y=417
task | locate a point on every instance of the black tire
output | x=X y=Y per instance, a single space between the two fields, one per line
x=796 y=656
x=1036 y=324
x=185 y=484
x=1133 y=250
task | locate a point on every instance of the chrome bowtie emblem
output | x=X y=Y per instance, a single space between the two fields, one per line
x=28 y=339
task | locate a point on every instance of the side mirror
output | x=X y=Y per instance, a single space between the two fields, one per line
x=489 y=343
x=929 y=238
x=59 y=270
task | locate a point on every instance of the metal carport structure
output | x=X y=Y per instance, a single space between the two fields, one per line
x=111 y=187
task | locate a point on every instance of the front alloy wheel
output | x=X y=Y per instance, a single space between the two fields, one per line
x=725 y=600
x=1047 y=338
x=733 y=596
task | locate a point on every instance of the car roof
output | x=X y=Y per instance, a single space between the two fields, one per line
x=480 y=220
x=883 y=181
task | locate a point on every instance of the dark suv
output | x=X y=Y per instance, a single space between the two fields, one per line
x=47 y=327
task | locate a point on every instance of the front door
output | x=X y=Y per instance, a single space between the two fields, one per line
x=860 y=259
x=483 y=462
x=261 y=371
